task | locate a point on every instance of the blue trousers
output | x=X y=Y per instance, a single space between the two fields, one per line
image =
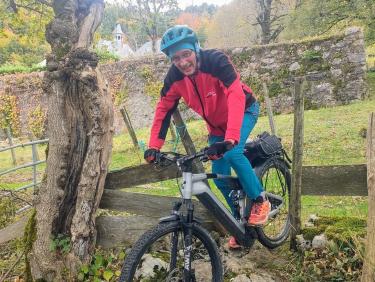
x=236 y=159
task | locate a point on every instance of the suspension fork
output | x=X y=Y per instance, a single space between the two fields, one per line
x=188 y=239
x=174 y=239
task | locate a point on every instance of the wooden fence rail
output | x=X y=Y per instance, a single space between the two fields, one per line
x=339 y=180
x=344 y=180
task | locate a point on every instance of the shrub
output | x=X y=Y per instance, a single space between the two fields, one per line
x=106 y=56
x=36 y=122
x=9 y=114
x=12 y=68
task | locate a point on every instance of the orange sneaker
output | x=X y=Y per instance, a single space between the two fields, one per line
x=259 y=213
x=232 y=243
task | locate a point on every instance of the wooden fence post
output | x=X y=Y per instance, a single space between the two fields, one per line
x=129 y=126
x=368 y=272
x=269 y=108
x=10 y=141
x=186 y=139
x=295 y=195
x=173 y=132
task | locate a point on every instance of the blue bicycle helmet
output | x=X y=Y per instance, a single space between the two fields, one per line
x=177 y=38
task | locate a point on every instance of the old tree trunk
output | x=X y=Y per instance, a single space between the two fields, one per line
x=80 y=141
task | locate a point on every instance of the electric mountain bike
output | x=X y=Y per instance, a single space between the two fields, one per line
x=180 y=249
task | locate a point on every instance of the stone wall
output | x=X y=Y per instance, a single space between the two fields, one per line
x=334 y=67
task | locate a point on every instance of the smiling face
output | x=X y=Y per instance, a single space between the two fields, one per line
x=186 y=61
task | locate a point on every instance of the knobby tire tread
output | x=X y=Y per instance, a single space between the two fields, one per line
x=148 y=238
x=262 y=237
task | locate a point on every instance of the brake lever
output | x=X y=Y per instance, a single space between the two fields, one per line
x=204 y=159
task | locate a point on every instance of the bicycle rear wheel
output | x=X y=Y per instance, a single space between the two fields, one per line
x=275 y=177
x=159 y=256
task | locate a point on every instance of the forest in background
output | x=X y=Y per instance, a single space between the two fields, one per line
x=238 y=23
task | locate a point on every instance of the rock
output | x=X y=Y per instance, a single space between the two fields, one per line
x=356 y=58
x=336 y=62
x=237 y=50
x=148 y=266
x=241 y=278
x=313 y=218
x=261 y=278
x=319 y=241
x=237 y=265
x=302 y=243
x=336 y=72
x=352 y=30
x=268 y=60
x=309 y=224
x=202 y=269
x=295 y=66
x=317 y=48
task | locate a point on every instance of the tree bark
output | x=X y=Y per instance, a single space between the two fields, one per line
x=80 y=121
x=368 y=273
x=268 y=21
x=295 y=193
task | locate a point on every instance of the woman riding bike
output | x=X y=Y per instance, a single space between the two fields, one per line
x=210 y=85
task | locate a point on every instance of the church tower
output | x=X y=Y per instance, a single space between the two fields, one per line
x=119 y=36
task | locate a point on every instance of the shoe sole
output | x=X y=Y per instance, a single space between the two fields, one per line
x=234 y=247
x=259 y=224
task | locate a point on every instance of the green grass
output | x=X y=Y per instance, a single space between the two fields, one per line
x=23 y=176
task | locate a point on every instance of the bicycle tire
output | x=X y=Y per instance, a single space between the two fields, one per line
x=277 y=238
x=145 y=242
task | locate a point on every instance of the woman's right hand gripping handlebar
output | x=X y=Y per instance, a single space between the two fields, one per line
x=151 y=155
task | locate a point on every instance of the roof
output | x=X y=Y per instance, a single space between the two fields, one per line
x=147 y=48
x=117 y=29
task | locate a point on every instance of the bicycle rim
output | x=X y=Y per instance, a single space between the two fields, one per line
x=159 y=256
x=275 y=178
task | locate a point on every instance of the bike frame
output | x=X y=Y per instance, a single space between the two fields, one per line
x=195 y=184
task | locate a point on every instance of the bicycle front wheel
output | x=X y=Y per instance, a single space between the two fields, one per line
x=159 y=256
x=276 y=179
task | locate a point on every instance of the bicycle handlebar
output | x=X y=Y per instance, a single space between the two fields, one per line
x=180 y=159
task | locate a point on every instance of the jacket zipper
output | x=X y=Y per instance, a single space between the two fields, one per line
x=200 y=101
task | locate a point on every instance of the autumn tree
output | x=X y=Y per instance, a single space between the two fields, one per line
x=80 y=136
x=198 y=22
x=22 y=28
x=230 y=25
x=154 y=16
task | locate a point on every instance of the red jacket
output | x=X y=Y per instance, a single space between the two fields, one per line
x=215 y=93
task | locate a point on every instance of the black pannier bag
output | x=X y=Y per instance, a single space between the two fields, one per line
x=263 y=146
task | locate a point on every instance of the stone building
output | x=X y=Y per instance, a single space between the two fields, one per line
x=118 y=45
